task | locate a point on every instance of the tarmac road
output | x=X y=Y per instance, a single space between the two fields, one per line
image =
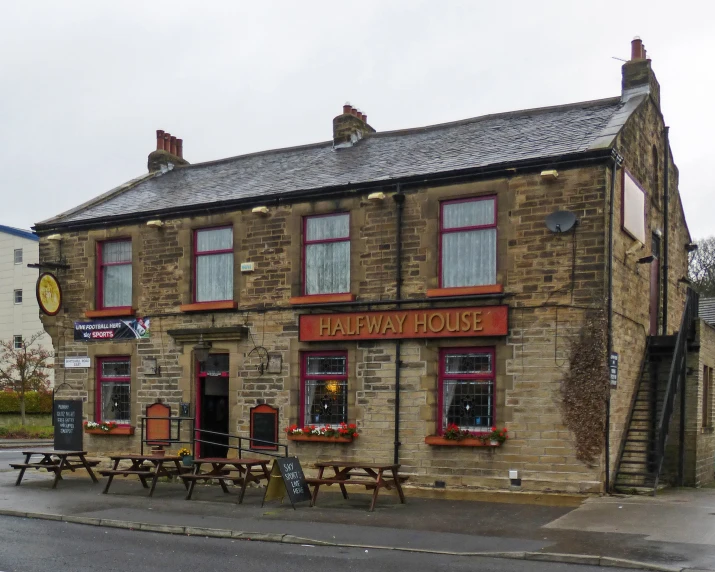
x=38 y=545
x=8 y=456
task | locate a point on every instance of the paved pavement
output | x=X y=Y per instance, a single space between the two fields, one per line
x=64 y=546
x=673 y=530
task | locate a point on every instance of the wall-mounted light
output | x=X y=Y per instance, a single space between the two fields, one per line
x=378 y=196
x=646 y=259
x=155 y=223
x=689 y=246
x=684 y=280
x=263 y=211
x=55 y=237
x=550 y=175
x=201 y=350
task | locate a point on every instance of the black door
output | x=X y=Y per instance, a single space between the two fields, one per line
x=213 y=408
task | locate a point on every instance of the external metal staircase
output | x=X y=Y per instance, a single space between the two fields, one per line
x=662 y=377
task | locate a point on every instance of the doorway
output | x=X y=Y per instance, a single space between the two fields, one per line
x=655 y=285
x=212 y=411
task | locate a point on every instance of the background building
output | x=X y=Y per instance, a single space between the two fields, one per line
x=19 y=312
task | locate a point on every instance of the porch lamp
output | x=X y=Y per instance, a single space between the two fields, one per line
x=201 y=350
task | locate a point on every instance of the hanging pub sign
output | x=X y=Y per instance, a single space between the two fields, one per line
x=48 y=293
x=111 y=330
x=396 y=324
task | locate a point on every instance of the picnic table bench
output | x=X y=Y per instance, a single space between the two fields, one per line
x=56 y=462
x=143 y=466
x=369 y=475
x=238 y=471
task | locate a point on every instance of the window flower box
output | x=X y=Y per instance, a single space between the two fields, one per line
x=453 y=436
x=320 y=439
x=343 y=433
x=467 y=442
x=107 y=428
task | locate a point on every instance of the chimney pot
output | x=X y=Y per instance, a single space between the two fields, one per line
x=353 y=111
x=346 y=108
x=180 y=148
x=159 y=140
x=645 y=57
x=636 y=49
x=364 y=118
x=172 y=149
x=167 y=141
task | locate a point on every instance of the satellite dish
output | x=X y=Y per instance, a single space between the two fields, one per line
x=561 y=221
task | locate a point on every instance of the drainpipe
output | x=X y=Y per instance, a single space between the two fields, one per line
x=617 y=161
x=666 y=160
x=399 y=199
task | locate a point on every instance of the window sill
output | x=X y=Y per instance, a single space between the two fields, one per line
x=209 y=306
x=127 y=430
x=439 y=440
x=322 y=298
x=705 y=430
x=465 y=291
x=319 y=439
x=111 y=312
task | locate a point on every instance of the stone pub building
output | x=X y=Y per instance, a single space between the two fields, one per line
x=403 y=282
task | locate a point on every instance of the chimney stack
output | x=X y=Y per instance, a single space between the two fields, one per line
x=169 y=153
x=637 y=76
x=350 y=127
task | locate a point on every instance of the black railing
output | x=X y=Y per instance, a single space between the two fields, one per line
x=174 y=431
x=676 y=377
x=269 y=448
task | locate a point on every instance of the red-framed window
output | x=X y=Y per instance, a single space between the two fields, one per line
x=213 y=264
x=324 y=388
x=466 y=389
x=468 y=242
x=114 y=274
x=114 y=377
x=326 y=254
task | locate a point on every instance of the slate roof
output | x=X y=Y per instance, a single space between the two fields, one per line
x=381 y=157
x=18 y=232
x=706 y=310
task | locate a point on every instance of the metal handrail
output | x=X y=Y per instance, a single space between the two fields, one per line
x=170 y=439
x=675 y=377
x=239 y=447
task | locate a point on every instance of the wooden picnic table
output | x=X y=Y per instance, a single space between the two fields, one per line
x=238 y=471
x=143 y=466
x=370 y=475
x=56 y=462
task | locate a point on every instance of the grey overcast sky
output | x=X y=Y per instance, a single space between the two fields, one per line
x=85 y=84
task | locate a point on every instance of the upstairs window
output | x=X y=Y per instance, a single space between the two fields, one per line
x=18 y=296
x=468 y=243
x=213 y=264
x=18 y=256
x=324 y=388
x=466 y=389
x=115 y=274
x=326 y=246
x=17 y=342
x=707 y=396
x=114 y=390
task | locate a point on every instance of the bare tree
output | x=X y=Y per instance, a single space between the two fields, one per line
x=25 y=368
x=701 y=267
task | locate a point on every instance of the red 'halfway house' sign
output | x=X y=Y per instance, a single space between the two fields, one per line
x=392 y=324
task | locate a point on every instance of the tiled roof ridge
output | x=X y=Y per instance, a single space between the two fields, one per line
x=414 y=130
x=118 y=190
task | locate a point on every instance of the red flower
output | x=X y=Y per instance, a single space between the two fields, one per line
x=352 y=426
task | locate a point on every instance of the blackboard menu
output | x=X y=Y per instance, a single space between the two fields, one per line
x=264 y=427
x=68 y=425
x=287 y=478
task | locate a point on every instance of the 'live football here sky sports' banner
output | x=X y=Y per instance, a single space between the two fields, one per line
x=111 y=330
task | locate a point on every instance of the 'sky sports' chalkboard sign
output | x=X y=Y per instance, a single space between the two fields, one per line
x=68 y=425
x=264 y=427
x=287 y=478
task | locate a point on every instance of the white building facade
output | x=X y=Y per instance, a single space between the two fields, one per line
x=19 y=311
